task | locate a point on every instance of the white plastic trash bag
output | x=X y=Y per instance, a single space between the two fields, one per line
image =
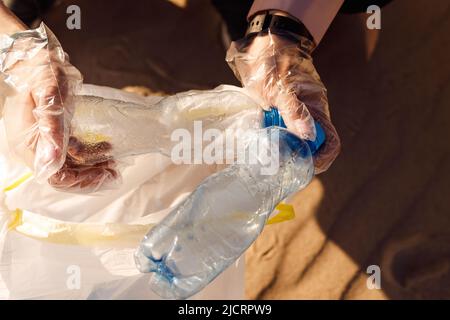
x=80 y=246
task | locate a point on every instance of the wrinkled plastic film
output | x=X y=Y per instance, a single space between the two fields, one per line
x=99 y=233
x=106 y=133
x=82 y=143
x=39 y=105
x=127 y=129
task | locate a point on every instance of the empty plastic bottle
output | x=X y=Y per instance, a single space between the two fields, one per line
x=133 y=129
x=214 y=226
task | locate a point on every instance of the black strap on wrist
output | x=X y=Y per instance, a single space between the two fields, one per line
x=266 y=21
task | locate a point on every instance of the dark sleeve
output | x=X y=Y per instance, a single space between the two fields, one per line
x=234 y=13
x=355 y=6
x=29 y=10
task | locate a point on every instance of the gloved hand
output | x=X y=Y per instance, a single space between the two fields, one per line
x=278 y=71
x=39 y=108
x=86 y=168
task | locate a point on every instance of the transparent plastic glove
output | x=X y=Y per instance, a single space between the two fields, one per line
x=278 y=70
x=87 y=168
x=39 y=106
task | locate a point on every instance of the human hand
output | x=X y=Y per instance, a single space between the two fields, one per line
x=38 y=113
x=279 y=71
x=87 y=167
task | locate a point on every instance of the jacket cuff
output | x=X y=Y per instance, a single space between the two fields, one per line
x=316 y=15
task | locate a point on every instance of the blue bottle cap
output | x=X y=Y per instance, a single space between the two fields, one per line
x=273 y=118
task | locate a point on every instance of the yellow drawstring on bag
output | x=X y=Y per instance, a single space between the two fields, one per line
x=56 y=231
x=16 y=219
x=286 y=212
x=18 y=182
x=89 y=234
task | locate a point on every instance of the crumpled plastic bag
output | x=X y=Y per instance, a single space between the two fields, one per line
x=112 y=131
x=82 y=142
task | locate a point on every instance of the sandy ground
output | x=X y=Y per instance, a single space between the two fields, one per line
x=386 y=199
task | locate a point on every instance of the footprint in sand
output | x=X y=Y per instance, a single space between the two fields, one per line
x=419 y=266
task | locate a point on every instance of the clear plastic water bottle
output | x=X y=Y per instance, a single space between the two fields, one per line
x=133 y=129
x=214 y=226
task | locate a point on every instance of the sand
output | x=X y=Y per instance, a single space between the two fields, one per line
x=384 y=202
